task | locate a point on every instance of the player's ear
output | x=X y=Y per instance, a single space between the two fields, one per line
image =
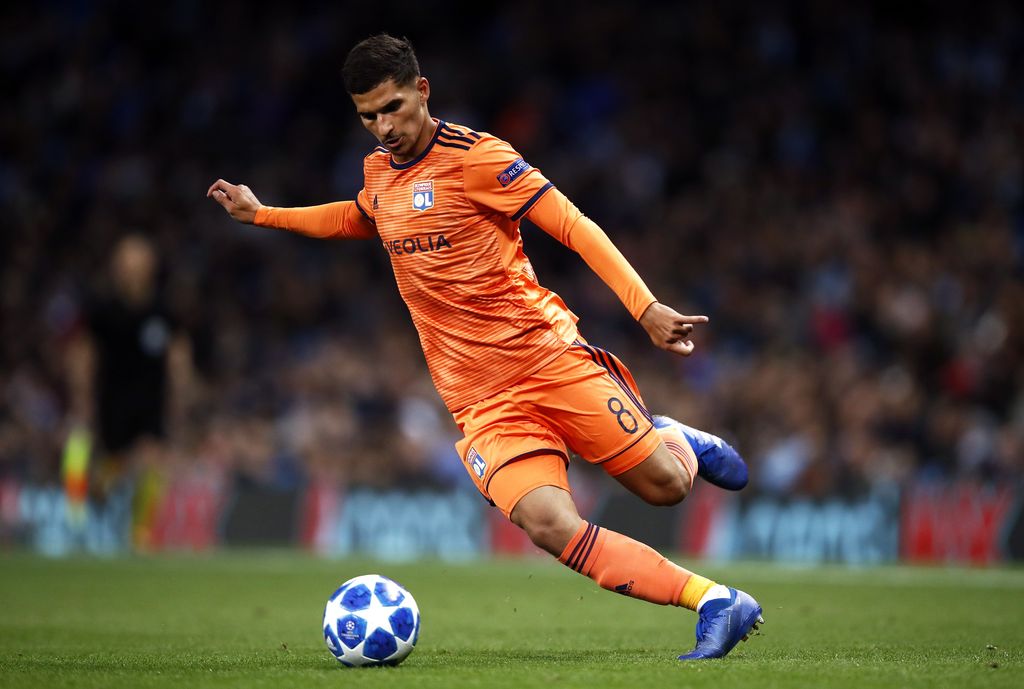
x=423 y=86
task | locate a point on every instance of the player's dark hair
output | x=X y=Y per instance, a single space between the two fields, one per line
x=379 y=58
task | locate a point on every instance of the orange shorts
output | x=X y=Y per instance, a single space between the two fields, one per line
x=585 y=401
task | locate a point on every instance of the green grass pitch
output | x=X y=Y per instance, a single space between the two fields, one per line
x=253 y=620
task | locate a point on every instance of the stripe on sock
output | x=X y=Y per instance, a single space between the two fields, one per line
x=579 y=546
x=586 y=556
x=587 y=542
x=680 y=452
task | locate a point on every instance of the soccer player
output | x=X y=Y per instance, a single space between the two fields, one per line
x=130 y=373
x=524 y=387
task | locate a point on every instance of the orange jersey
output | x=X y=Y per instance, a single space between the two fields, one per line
x=449 y=221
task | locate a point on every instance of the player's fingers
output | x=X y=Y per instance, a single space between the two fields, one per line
x=221 y=185
x=223 y=199
x=681 y=319
x=683 y=347
x=682 y=330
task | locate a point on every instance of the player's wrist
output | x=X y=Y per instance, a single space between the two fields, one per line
x=260 y=216
x=646 y=311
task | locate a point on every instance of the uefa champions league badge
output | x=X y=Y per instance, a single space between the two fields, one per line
x=476 y=462
x=513 y=172
x=423 y=195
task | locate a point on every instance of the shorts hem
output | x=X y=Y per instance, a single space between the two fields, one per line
x=531 y=485
x=631 y=455
x=526 y=491
x=522 y=456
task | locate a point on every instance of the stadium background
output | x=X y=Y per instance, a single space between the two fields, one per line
x=838 y=186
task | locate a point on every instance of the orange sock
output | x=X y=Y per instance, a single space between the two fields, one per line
x=678 y=445
x=618 y=563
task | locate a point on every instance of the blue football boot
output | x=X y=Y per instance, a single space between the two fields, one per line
x=717 y=462
x=723 y=623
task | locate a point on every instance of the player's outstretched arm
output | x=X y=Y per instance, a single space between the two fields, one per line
x=669 y=329
x=337 y=220
x=237 y=199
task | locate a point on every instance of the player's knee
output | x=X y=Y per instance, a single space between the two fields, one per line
x=550 y=531
x=551 y=535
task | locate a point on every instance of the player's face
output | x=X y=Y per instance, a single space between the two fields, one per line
x=397 y=115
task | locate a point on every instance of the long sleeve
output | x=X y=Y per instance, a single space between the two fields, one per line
x=338 y=220
x=555 y=214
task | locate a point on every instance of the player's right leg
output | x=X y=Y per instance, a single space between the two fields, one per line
x=514 y=451
x=596 y=405
x=534 y=494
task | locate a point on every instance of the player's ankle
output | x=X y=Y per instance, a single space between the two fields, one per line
x=713 y=593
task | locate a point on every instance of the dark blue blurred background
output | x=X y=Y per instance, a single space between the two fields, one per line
x=837 y=185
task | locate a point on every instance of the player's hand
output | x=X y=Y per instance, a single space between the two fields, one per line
x=237 y=199
x=669 y=329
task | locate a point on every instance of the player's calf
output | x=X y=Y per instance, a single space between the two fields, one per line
x=667 y=489
x=661 y=479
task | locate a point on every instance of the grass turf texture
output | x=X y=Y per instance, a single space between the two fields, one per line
x=253 y=620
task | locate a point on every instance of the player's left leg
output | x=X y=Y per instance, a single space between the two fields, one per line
x=612 y=427
x=665 y=477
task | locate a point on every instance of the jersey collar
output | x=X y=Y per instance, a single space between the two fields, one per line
x=421 y=156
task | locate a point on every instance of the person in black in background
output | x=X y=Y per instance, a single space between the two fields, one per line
x=130 y=365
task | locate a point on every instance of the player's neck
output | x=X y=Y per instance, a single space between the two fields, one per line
x=423 y=139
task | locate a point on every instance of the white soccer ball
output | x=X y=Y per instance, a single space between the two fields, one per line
x=371 y=620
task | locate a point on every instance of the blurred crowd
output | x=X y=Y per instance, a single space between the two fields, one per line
x=839 y=186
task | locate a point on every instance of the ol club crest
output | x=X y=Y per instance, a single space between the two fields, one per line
x=423 y=195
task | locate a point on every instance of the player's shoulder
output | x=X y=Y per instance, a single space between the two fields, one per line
x=458 y=137
x=476 y=147
x=465 y=138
